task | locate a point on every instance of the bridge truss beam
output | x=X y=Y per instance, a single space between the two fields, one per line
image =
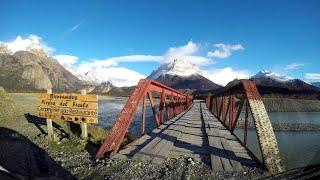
x=246 y=94
x=170 y=100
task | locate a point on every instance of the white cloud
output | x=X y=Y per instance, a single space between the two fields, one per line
x=118 y=76
x=312 y=76
x=113 y=61
x=66 y=59
x=293 y=66
x=186 y=52
x=32 y=41
x=225 y=75
x=224 y=50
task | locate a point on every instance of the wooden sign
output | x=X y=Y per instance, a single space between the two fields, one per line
x=69 y=107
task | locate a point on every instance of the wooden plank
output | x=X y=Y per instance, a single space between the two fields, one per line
x=83 y=125
x=162 y=150
x=49 y=123
x=215 y=150
x=184 y=136
x=136 y=144
x=234 y=160
x=146 y=153
x=150 y=151
x=223 y=156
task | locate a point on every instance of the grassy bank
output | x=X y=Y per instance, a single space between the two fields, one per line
x=23 y=119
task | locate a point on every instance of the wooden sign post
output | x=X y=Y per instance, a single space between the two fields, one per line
x=49 y=123
x=83 y=125
x=74 y=108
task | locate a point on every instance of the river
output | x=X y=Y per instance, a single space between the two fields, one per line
x=297 y=149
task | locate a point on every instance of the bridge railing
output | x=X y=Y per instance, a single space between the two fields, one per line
x=228 y=105
x=170 y=100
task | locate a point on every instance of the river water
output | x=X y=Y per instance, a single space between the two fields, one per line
x=297 y=148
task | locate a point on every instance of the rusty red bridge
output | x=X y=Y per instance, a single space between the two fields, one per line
x=199 y=129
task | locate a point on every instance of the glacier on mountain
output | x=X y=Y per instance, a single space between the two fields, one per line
x=272 y=75
x=177 y=67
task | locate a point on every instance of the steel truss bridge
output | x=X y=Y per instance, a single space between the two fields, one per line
x=203 y=130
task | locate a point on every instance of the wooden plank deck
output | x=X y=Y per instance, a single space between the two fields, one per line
x=195 y=133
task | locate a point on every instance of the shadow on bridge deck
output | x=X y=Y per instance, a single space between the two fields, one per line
x=196 y=133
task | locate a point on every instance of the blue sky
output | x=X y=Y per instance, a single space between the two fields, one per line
x=281 y=36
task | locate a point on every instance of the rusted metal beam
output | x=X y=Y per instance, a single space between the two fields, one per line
x=221 y=111
x=225 y=112
x=161 y=107
x=143 y=116
x=171 y=106
x=121 y=125
x=266 y=137
x=216 y=106
x=238 y=114
x=245 y=135
x=153 y=107
x=231 y=113
x=267 y=140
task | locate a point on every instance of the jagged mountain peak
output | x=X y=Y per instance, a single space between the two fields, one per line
x=179 y=67
x=272 y=75
x=182 y=74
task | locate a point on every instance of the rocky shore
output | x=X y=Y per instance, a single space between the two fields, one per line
x=36 y=157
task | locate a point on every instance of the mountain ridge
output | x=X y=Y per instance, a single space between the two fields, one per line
x=182 y=75
x=28 y=70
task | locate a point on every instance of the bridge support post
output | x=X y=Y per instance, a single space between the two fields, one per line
x=222 y=109
x=143 y=115
x=84 y=125
x=231 y=111
x=245 y=135
x=267 y=140
x=153 y=107
x=161 y=107
x=225 y=110
x=49 y=123
x=238 y=114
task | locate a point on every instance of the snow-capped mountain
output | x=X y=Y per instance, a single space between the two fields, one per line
x=88 y=77
x=177 y=67
x=181 y=74
x=272 y=83
x=272 y=75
